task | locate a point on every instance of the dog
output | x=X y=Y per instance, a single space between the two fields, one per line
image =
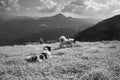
x=32 y=58
x=64 y=41
x=45 y=54
x=42 y=56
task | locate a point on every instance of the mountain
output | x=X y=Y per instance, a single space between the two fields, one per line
x=108 y=29
x=27 y=29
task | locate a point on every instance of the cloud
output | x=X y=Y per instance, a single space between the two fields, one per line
x=10 y=5
x=48 y=3
x=78 y=2
x=46 y=6
x=53 y=5
x=116 y=12
x=47 y=10
x=38 y=8
x=13 y=4
x=93 y=8
x=105 y=8
x=62 y=5
x=2 y=3
x=27 y=8
x=91 y=4
x=89 y=8
x=68 y=8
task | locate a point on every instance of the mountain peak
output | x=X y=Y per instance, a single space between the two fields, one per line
x=60 y=15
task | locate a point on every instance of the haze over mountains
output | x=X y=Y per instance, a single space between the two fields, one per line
x=108 y=29
x=17 y=30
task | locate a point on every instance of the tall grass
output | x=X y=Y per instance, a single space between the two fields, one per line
x=84 y=61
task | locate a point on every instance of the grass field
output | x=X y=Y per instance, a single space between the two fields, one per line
x=84 y=61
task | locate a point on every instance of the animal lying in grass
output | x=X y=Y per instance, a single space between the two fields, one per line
x=42 y=56
x=64 y=41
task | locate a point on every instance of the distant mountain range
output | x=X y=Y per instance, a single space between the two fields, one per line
x=18 y=30
x=108 y=29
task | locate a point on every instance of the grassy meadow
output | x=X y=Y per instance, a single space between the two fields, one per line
x=84 y=61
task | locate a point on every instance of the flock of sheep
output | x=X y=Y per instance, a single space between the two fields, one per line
x=47 y=50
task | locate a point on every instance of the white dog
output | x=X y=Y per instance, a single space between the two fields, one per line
x=64 y=41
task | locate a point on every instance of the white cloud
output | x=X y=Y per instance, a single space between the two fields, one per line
x=91 y=4
x=116 y=12
x=27 y=8
x=61 y=6
x=13 y=4
x=88 y=8
x=7 y=9
x=2 y=3
x=108 y=5
x=48 y=4
x=97 y=8
x=38 y=8
x=53 y=5
x=10 y=5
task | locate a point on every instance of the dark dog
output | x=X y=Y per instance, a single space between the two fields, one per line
x=32 y=58
x=43 y=56
x=46 y=53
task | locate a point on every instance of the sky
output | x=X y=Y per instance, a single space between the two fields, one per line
x=74 y=8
